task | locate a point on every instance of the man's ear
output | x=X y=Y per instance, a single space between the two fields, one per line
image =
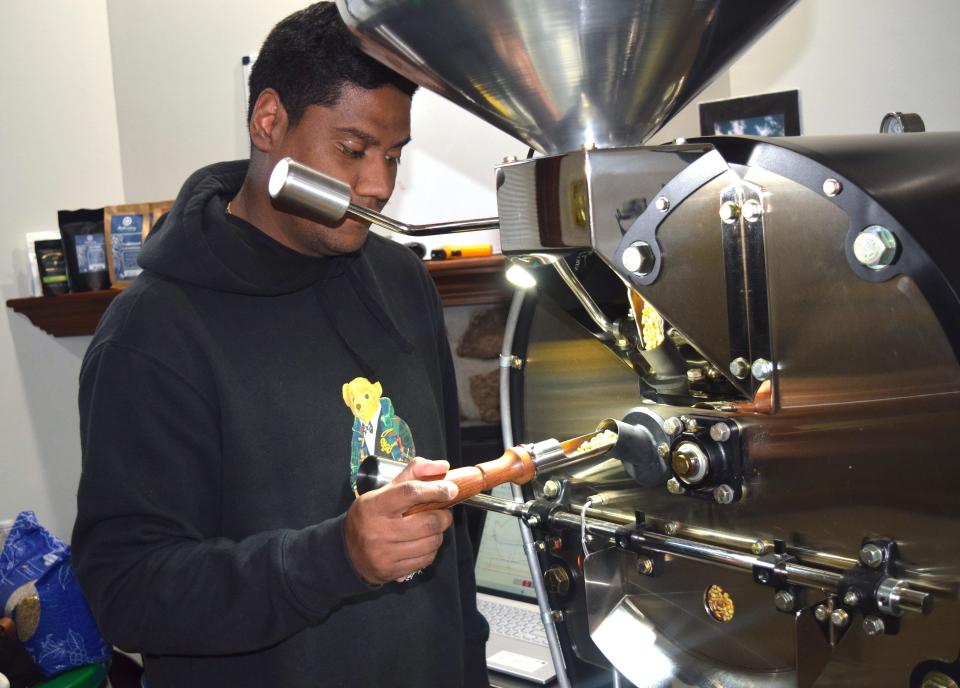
x=268 y=122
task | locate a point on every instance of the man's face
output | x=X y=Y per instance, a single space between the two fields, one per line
x=358 y=141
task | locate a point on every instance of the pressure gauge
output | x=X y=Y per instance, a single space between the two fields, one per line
x=901 y=123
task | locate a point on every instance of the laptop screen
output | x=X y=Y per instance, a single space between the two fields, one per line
x=501 y=565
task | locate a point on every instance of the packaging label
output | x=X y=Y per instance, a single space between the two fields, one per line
x=91 y=253
x=126 y=238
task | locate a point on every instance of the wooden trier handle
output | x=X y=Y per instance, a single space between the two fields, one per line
x=515 y=466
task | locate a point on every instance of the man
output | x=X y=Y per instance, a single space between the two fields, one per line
x=218 y=532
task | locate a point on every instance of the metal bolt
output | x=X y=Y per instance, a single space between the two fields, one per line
x=679 y=140
x=509 y=158
x=784 y=601
x=751 y=210
x=672 y=425
x=875 y=247
x=551 y=489
x=673 y=486
x=671 y=528
x=762 y=369
x=695 y=374
x=663 y=449
x=821 y=613
x=763 y=577
x=729 y=212
x=839 y=618
x=557 y=616
x=739 y=368
x=872 y=556
x=724 y=494
x=873 y=625
x=645 y=566
x=832 y=187
x=638 y=258
x=541 y=546
x=533 y=521
x=719 y=432
x=691 y=424
x=759 y=547
x=851 y=598
x=662 y=204
x=690 y=463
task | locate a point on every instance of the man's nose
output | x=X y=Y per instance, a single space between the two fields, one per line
x=375 y=181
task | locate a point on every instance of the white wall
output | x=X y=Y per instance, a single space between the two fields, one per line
x=58 y=150
x=107 y=101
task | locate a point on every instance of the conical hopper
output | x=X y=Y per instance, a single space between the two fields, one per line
x=561 y=74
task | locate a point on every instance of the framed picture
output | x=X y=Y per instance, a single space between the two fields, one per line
x=768 y=114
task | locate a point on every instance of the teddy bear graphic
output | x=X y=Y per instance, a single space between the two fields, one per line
x=377 y=429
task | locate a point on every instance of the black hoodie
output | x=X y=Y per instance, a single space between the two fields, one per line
x=217 y=460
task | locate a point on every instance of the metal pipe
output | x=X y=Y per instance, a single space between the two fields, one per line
x=304 y=191
x=536 y=574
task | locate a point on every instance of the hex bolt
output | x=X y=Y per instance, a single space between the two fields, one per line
x=851 y=598
x=875 y=247
x=533 y=521
x=673 y=486
x=871 y=555
x=541 y=546
x=759 y=547
x=671 y=528
x=691 y=425
x=752 y=210
x=784 y=601
x=695 y=375
x=832 y=187
x=663 y=449
x=672 y=425
x=762 y=369
x=557 y=616
x=509 y=159
x=719 y=432
x=645 y=566
x=839 y=618
x=873 y=625
x=662 y=204
x=724 y=494
x=638 y=258
x=729 y=212
x=551 y=489
x=821 y=613
x=739 y=368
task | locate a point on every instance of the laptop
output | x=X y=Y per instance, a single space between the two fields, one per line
x=505 y=596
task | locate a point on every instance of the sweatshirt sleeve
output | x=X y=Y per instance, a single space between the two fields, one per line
x=144 y=547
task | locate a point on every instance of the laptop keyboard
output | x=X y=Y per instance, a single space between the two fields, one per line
x=513 y=622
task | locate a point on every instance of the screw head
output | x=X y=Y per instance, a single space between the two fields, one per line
x=761 y=369
x=724 y=494
x=729 y=212
x=875 y=247
x=873 y=625
x=662 y=204
x=638 y=258
x=851 y=598
x=784 y=601
x=551 y=489
x=821 y=613
x=832 y=187
x=533 y=521
x=872 y=556
x=691 y=425
x=739 y=368
x=509 y=158
x=645 y=566
x=752 y=210
x=719 y=432
x=839 y=618
x=673 y=486
x=672 y=425
x=695 y=374
x=759 y=547
x=663 y=450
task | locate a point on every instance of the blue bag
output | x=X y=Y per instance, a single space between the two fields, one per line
x=39 y=591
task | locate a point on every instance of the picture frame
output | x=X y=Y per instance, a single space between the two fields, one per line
x=767 y=114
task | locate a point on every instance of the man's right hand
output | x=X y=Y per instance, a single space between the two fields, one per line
x=385 y=545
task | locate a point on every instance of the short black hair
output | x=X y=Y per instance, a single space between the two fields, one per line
x=309 y=57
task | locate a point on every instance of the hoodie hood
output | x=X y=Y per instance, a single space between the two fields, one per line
x=198 y=243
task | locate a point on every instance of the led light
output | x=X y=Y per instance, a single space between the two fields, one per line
x=520 y=277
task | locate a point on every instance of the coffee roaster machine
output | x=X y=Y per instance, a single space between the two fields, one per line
x=753 y=342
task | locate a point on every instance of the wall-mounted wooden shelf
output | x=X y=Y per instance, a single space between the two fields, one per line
x=461 y=282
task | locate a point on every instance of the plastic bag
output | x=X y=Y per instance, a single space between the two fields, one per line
x=40 y=592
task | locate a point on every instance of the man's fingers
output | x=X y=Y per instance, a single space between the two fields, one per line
x=422 y=469
x=398 y=497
